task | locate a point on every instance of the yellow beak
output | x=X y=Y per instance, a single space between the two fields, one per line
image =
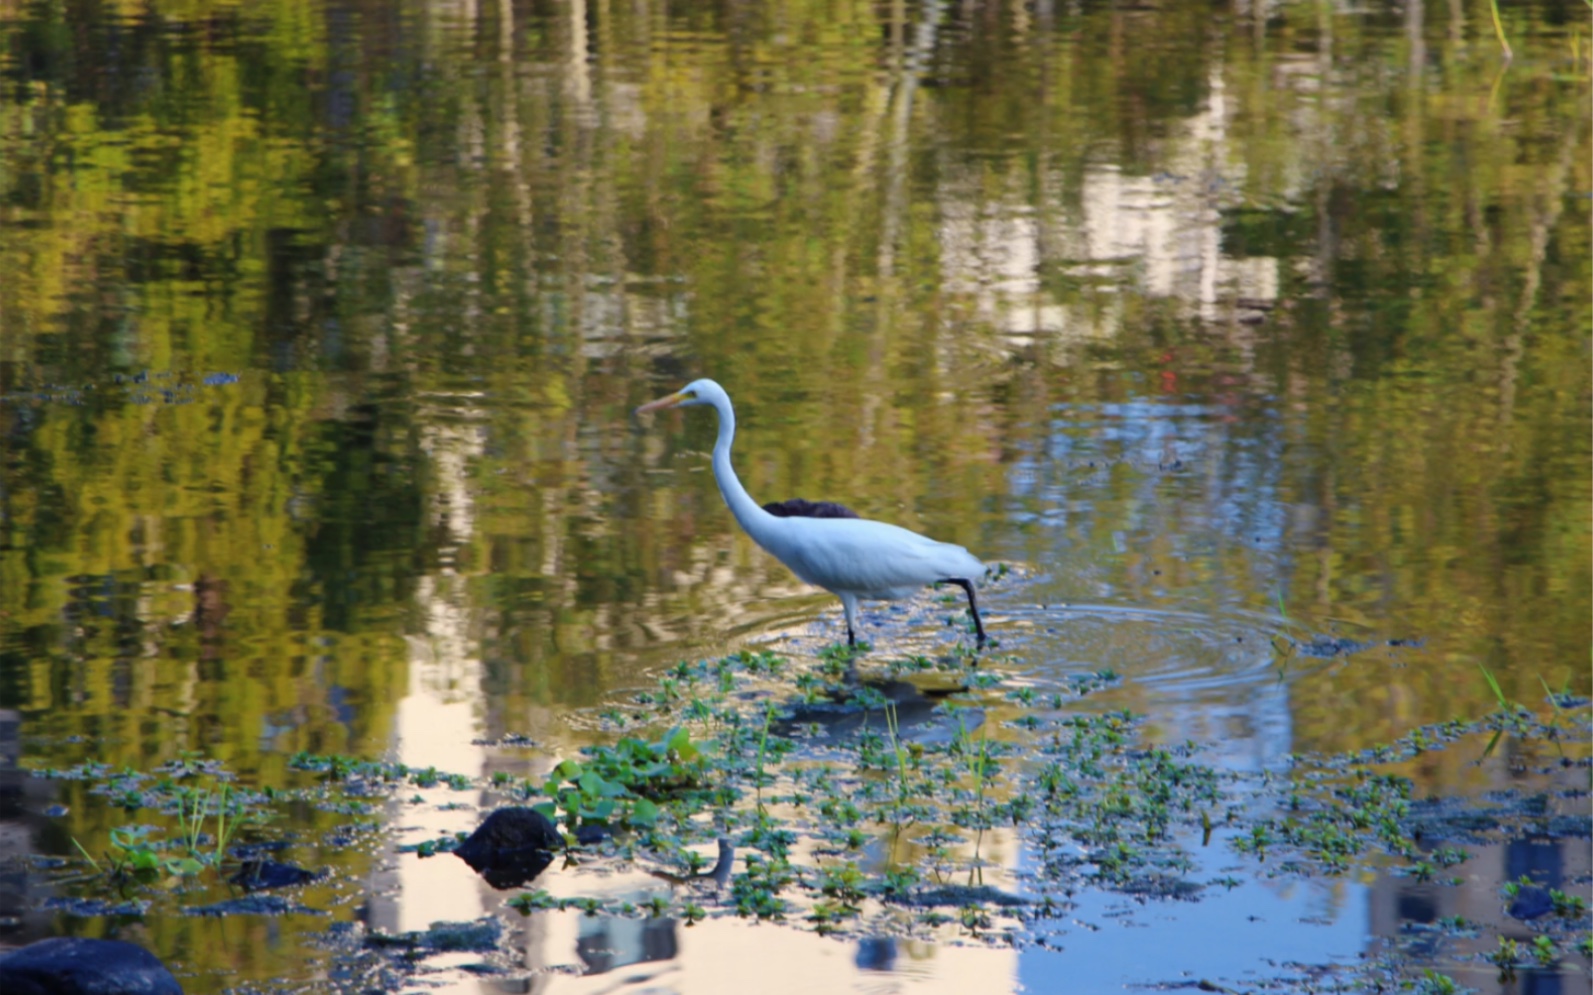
x=662 y=402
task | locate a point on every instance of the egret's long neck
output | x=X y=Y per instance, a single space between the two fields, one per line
x=747 y=511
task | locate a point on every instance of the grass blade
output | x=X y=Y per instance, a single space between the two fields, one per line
x=86 y=855
x=1504 y=703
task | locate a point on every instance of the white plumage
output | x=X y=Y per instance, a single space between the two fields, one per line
x=851 y=557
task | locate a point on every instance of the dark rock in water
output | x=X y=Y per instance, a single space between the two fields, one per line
x=507 y=739
x=957 y=894
x=91 y=907
x=511 y=847
x=510 y=829
x=258 y=875
x=253 y=905
x=591 y=835
x=1531 y=902
x=1163 y=886
x=481 y=936
x=1326 y=647
x=69 y=965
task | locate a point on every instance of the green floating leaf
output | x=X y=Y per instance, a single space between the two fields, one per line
x=644 y=813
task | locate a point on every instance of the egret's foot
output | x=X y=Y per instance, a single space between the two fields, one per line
x=973 y=606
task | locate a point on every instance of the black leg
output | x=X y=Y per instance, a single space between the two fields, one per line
x=973 y=605
x=851 y=637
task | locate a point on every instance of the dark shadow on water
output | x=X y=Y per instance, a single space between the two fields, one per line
x=840 y=716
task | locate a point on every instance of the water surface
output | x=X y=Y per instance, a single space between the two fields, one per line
x=1254 y=339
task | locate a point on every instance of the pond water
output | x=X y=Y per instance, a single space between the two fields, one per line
x=1252 y=339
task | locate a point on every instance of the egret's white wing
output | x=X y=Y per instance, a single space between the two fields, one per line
x=867 y=557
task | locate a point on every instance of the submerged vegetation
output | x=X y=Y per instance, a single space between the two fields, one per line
x=204 y=811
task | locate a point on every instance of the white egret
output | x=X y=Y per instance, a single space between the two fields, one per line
x=825 y=544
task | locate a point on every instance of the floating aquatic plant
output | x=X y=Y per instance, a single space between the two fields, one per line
x=848 y=808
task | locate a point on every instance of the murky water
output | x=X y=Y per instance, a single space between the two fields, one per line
x=1255 y=340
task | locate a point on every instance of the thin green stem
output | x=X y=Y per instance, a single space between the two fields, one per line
x=86 y=855
x=893 y=725
x=1498 y=29
x=1493 y=684
x=763 y=747
x=982 y=762
x=221 y=825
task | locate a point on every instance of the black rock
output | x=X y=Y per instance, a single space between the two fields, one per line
x=1531 y=902
x=257 y=875
x=69 y=965
x=511 y=847
x=513 y=828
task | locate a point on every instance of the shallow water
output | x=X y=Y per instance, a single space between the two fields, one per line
x=1255 y=342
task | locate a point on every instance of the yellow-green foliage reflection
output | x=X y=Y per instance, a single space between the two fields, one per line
x=445 y=250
